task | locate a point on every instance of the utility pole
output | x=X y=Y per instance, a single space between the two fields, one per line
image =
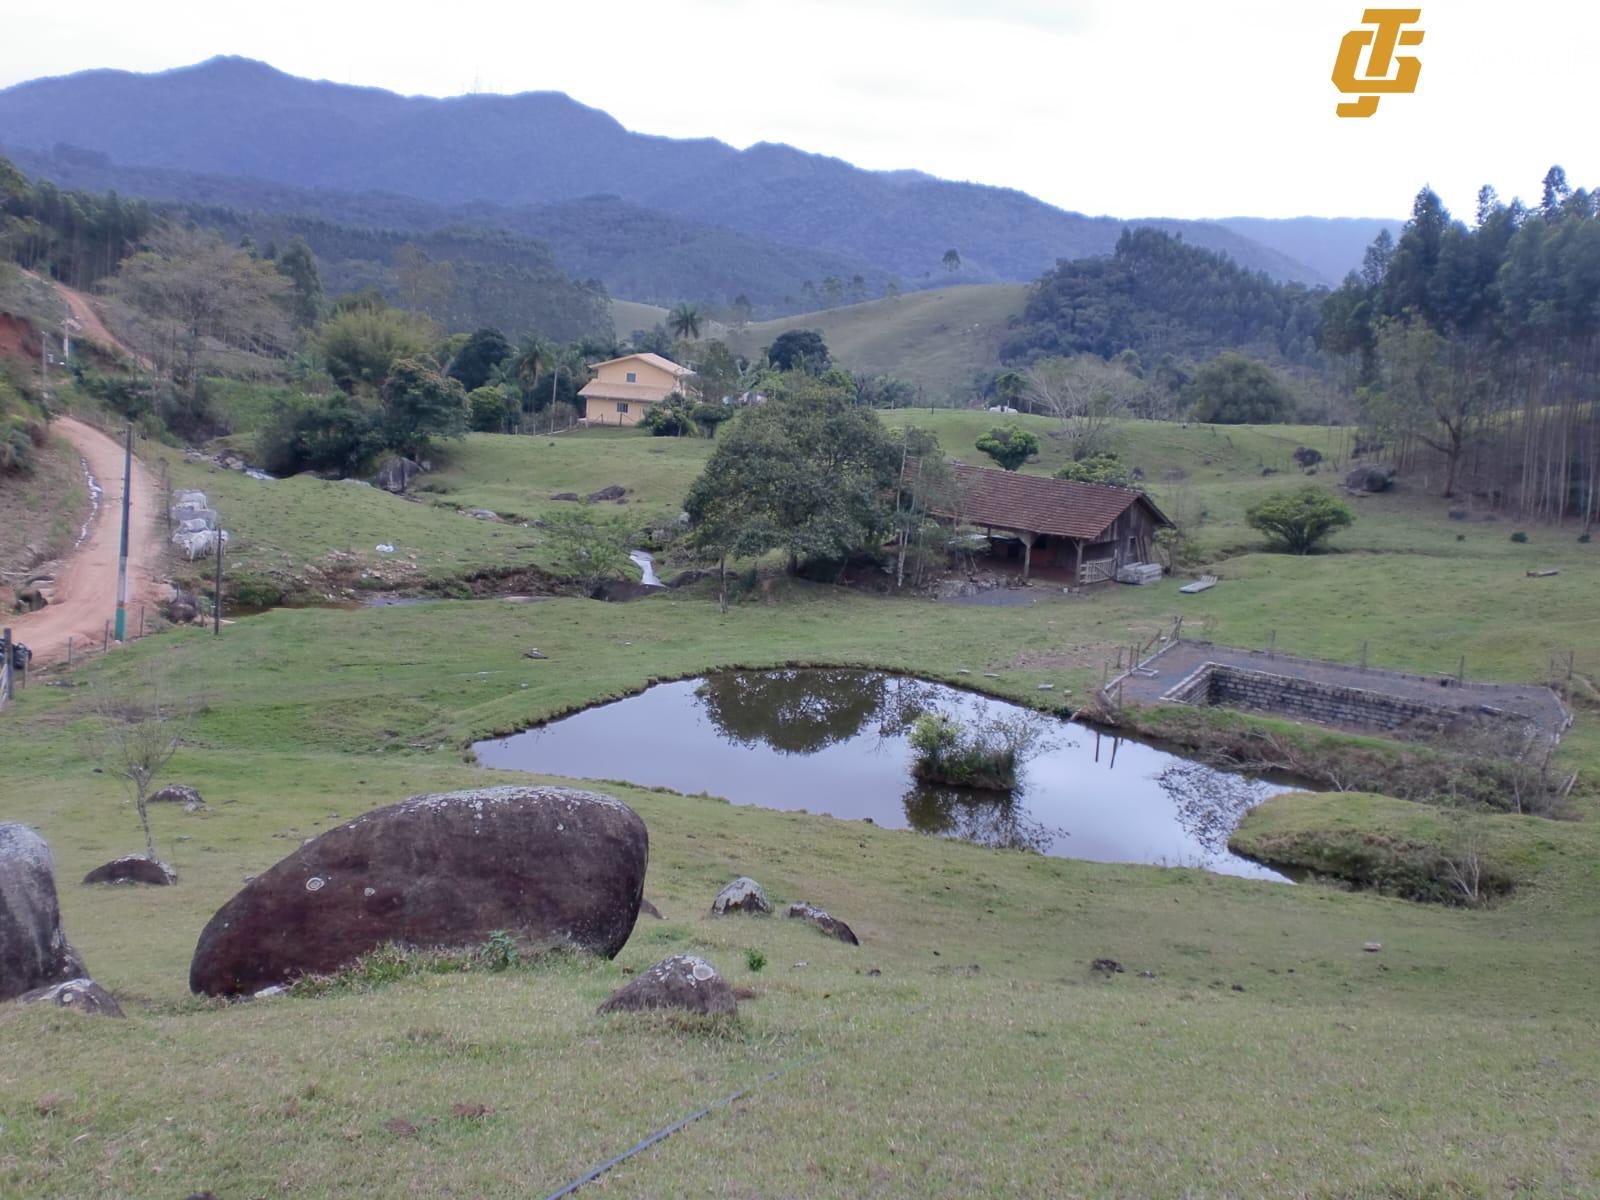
x=216 y=607
x=122 y=557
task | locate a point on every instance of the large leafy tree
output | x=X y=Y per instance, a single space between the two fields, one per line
x=298 y=265
x=475 y=363
x=359 y=343
x=1299 y=518
x=809 y=473
x=588 y=546
x=799 y=350
x=420 y=404
x=1232 y=389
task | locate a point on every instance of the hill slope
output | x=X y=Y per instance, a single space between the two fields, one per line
x=236 y=117
x=937 y=339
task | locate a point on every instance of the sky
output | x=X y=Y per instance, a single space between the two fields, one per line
x=1181 y=109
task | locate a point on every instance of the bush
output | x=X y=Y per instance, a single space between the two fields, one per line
x=1234 y=390
x=667 y=420
x=1101 y=467
x=321 y=433
x=755 y=960
x=1583 y=538
x=989 y=755
x=1299 y=518
x=1519 y=537
x=1009 y=446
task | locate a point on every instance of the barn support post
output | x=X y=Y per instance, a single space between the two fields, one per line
x=1027 y=539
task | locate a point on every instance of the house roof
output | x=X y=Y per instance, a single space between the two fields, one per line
x=999 y=499
x=654 y=360
x=644 y=393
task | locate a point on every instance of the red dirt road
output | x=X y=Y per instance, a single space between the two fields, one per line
x=86 y=580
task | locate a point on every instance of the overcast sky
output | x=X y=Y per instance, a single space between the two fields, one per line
x=1181 y=108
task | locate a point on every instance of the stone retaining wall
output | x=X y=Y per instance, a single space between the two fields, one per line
x=1326 y=704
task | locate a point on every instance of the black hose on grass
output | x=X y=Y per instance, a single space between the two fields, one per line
x=669 y=1130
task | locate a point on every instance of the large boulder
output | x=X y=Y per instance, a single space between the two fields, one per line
x=1370 y=479
x=614 y=491
x=552 y=866
x=33 y=951
x=80 y=995
x=684 y=981
x=396 y=474
x=743 y=895
x=133 y=868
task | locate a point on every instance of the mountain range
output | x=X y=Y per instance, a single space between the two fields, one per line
x=653 y=218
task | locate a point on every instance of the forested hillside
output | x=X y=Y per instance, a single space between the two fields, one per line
x=1474 y=348
x=1156 y=295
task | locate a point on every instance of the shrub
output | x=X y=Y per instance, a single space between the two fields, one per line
x=1299 y=518
x=989 y=755
x=1519 y=537
x=1583 y=538
x=754 y=959
x=1100 y=467
x=1009 y=446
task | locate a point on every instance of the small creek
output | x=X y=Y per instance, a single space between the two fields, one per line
x=837 y=742
x=647 y=568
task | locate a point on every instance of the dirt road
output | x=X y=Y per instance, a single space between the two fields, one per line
x=86 y=580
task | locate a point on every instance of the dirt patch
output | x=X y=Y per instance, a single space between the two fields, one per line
x=17 y=339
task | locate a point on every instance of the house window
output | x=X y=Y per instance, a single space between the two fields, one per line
x=622 y=407
x=633 y=377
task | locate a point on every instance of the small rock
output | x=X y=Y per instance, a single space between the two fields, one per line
x=831 y=926
x=874 y=973
x=650 y=910
x=566 y=496
x=1372 y=947
x=1106 y=966
x=532 y=652
x=133 y=868
x=743 y=895
x=1147 y=974
x=400 y=1127
x=80 y=995
x=684 y=981
x=1047 y=687
x=1238 y=987
x=176 y=793
x=194 y=806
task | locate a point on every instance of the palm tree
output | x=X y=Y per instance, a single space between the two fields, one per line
x=522 y=368
x=684 y=322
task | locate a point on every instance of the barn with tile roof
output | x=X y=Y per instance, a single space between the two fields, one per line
x=1079 y=533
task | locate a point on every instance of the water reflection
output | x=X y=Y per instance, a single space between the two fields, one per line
x=837 y=742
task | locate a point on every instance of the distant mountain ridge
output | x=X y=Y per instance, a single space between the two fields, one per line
x=246 y=120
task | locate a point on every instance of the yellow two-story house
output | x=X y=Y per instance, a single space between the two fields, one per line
x=623 y=389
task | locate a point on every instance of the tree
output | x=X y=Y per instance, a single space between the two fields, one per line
x=1299 y=518
x=135 y=732
x=425 y=285
x=716 y=374
x=684 y=322
x=494 y=408
x=1234 y=390
x=809 y=473
x=195 y=296
x=359 y=344
x=1009 y=446
x=1101 y=467
x=475 y=363
x=799 y=350
x=420 y=404
x=1087 y=395
x=588 y=546
x=299 y=266
x=952 y=260
x=1419 y=395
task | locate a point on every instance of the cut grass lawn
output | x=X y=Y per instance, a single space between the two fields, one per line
x=1267 y=1055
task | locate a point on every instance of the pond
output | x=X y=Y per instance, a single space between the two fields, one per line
x=837 y=742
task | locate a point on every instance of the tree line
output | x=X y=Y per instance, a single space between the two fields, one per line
x=76 y=237
x=1474 y=349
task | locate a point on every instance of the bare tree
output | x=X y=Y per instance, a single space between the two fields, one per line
x=1086 y=394
x=1462 y=861
x=136 y=731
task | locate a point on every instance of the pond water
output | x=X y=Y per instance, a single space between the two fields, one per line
x=837 y=742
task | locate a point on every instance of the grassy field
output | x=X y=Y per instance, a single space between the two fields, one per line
x=1265 y=1054
x=628 y=315
x=936 y=339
